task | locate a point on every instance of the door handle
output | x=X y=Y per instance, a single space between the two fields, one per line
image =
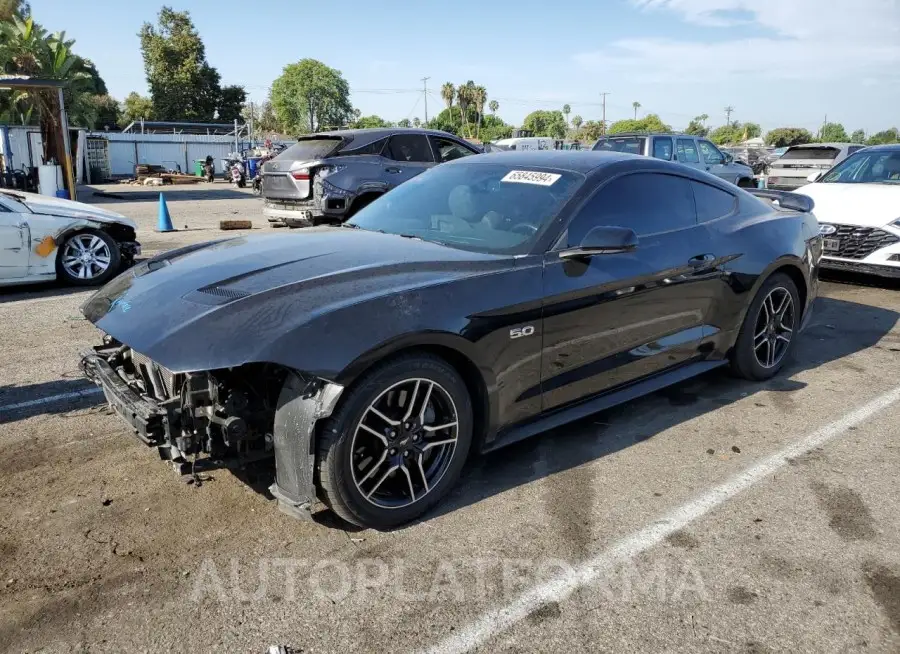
x=392 y=170
x=707 y=167
x=701 y=260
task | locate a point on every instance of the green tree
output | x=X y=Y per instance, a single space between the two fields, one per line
x=566 y=111
x=493 y=105
x=492 y=127
x=886 y=136
x=696 y=128
x=576 y=122
x=182 y=84
x=649 y=123
x=787 y=136
x=546 y=123
x=465 y=98
x=404 y=123
x=479 y=98
x=448 y=94
x=636 y=105
x=10 y=9
x=107 y=111
x=310 y=96
x=367 y=122
x=858 y=136
x=833 y=133
x=416 y=122
x=231 y=102
x=134 y=108
x=27 y=49
x=592 y=130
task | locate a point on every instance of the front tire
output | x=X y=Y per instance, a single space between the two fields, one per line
x=88 y=258
x=397 y=443
x=769 y=330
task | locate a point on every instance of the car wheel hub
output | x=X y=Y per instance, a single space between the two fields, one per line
x=86 y=256
x=774 y=327
x=404 y=443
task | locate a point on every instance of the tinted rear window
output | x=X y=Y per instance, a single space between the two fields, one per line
x=712 y=202
x=630 y=144
x=811 y=153
x=310 y=149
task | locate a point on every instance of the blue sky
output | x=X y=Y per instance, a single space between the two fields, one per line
x=777 y=62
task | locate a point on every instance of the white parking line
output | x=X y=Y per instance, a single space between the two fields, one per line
x=502 y=618
x=87 y=392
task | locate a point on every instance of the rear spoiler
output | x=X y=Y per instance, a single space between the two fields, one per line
x=792 y=201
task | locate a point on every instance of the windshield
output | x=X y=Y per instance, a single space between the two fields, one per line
x=811 y=153
x=482 y=207
x=630 y=144
x=310 y=149
x=866 y=168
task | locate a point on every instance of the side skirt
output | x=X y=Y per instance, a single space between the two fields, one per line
x=601 y=403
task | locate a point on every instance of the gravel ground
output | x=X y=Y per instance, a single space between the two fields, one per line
x=102 y=549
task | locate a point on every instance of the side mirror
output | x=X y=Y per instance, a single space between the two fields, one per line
x=602 y=240
x=813 y=177
x=729 y=158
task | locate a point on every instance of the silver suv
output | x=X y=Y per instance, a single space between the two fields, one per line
x=693 y=151
x=329 y=176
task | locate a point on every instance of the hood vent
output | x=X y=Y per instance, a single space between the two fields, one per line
x=215 y=295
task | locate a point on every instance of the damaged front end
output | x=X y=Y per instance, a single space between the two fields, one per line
x=219 y=418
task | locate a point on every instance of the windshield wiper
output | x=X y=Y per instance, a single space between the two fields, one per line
x=350 y=226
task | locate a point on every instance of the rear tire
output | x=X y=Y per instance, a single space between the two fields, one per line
x=357 y=448
x=774 y=315
x=361 y=203
x=746 y=183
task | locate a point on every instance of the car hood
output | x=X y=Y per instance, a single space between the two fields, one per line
x=226 y=303
x=47 y=205
x=866 y=205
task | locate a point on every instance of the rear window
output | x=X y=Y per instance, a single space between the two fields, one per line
x=811 y=153
x=310 y=149
x=630 y=144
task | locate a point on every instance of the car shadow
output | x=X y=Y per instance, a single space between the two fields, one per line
x=41 y=290
x=859 y=279
x=173 y=193
x=44 y=398
x=837 y=329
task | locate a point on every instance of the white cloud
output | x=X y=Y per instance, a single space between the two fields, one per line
x=807 y=39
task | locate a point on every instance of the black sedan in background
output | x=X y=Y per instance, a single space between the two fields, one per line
x=475 y=305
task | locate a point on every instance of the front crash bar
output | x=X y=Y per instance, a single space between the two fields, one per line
x=301 y=404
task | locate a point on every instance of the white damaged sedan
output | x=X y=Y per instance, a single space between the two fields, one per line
x=44 y=238
x=857 y=204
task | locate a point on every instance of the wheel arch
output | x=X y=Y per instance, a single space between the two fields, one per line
x=455 y=350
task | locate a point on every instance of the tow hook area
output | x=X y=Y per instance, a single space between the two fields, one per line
x=301 y=405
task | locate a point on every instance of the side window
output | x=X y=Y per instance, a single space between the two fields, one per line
x=687 y=151
x=854 y=148
x=409 y=147
x=662 y=148
x=375 y=147
x=712 y=202
x=711 y=154
x=648 y=203
x=447 y=150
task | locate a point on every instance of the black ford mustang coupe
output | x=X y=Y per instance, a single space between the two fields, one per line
x=475 y=305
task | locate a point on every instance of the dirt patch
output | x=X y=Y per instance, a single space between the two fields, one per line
x=848 y=515
x=740 y=595
x=548 y=611
x=885 y=587
x=683 y=539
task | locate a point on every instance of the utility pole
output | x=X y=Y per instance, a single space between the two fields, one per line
x=728 y=111
x=425 y=95
x=822 y=133
x=603 y=95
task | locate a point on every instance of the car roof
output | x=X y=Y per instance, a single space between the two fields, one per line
x=376 y=132
x=580 y=161
x=630 y=134
x=823 y=145
x=890 y=147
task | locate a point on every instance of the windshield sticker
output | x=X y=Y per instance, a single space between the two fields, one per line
x=531 y=177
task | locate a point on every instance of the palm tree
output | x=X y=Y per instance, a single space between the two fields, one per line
x=493 y=105
x=416 y=122
x=464 y=93
x=479 y=98
x=566 y=111
x=448 y=93
x=26 y=49
x=636 y=105
x=576 y=122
